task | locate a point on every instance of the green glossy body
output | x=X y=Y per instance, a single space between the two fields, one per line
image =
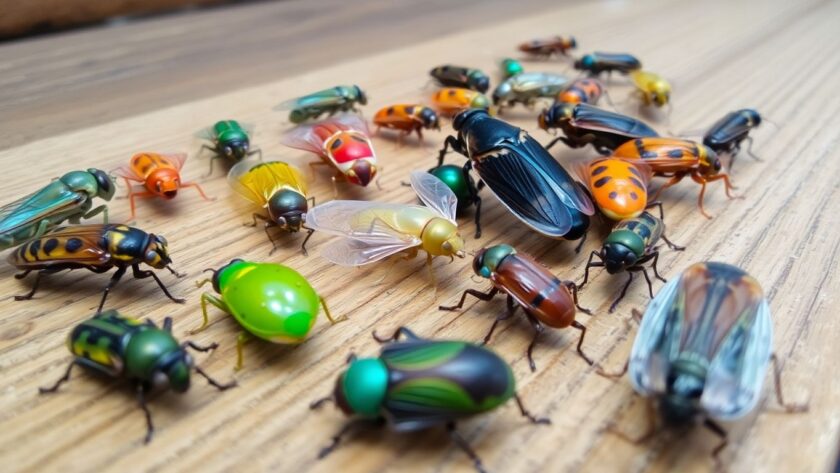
x=231 y=140
x=511 y=67
x=122 y=347
x=271 y=301
x=336 y=99
x=631 y=241
x=461 y=183
x=69 y=197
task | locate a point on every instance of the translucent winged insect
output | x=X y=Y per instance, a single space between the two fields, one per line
x=526 y=88
x=341 y=98
x=372 y=231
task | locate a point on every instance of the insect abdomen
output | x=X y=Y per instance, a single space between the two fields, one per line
x=542 y=294
x=101 y=341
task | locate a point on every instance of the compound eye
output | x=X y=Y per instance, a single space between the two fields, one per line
x=485 y=272
x=161 y=240
x=281 y=221
x=245 y=146
x=228 y=150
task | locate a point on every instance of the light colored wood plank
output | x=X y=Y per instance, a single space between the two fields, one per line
x=775 y=56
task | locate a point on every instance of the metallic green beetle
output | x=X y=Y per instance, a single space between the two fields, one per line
x=140 y=352
x=69 y=197
x=230 y=141
x=511 y=67
x=337 y=99
x=463 y=185
x=270 y=301
x=418 y=384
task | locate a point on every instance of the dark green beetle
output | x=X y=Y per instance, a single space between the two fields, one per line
x=418 y=384
x=230 y=141
x=140 y=352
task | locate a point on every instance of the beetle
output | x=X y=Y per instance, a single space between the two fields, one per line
x=586 y=90
x=617 y=187
x=230 y=140
x=417 y=384
x=268 y=300
x=546 y=47
x=341 y=98
x=141 y=353
x=522 y=174
x=651 y=87
x=407 y=118
x=703 y=349
x=675 y=158
x=631 y=244
x=584 y=124
x=464 y=77
x=462 y=185
x=278 y=188
x=97 y=248
x=526 y=88
x=727 y=134
x=510 y=67
x=545 y=299
x=451 y=100
x=70 y=197
x=596 y=63
x=160 y=175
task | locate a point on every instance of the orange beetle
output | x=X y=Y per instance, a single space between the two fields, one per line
x=407 y=118
x=675 y=158
x=588 y=90
x=160 y=175
x=451 y=100
x=617 y=186
x=547 y=47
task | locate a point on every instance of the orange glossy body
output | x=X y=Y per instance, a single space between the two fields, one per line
x=451 y=100
x=549 y=46
x=407 y=118
x=586 y=90
x=538 y=291
x=618 y=187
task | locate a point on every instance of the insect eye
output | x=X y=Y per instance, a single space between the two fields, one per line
x=336 y=144
x=281 y=221
x=245 y=146
x=151 y=255
x=447 y=246
x=228 y=151
x=485 y=272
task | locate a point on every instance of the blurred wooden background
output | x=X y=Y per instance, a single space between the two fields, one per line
x=95 y=96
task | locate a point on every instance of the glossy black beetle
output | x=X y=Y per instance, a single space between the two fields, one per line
x=585 y=124
x=727 y=134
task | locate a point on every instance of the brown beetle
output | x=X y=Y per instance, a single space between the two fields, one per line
x=548 y=46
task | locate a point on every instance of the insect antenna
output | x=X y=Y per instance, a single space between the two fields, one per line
x=320 y=402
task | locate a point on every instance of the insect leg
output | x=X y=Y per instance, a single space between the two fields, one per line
x=256 y=151
x=198 y=188
x=582 y=241
x=590 y=264
x=671 y=244
x=27 y=296
x=336 y=439
x=450 y=142
x=393 y=338
x=672 y=182
x=240 y=343
x=255 y=217
x=554 y=142
x=724 y=441
x=213 y=382
x=102 y=209
x=167 y=324
x=623 y=292
x=266 y=226
x=328 y=314
x=141 y=400
x=60 y=381
x=212 y=160
x=465 y=447
x=700 y=180
x=205 y=298
x=23 y=274
x=749 y=149
x=655 y=270
x=511 y=309
x=113 y=282
x=538 y=329
x=309 y=232
x=657 y=204
x=527 y=414
x=582 y=328
x=472 y=292
x=647 y=278
x=133 y=204
x=200 y=348
x=138 y=274
x=572 y=287
x=777 y=378
x=316 y=404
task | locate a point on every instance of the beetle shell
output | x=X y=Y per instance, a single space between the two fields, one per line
x=618 y=187
x=271 y=301
x=665 y=155
x=408 y=117
x=536 y=289
x=451 y=100
x=458 y=181
x=726 y=135
x=598 y=62
x=456 y=76
x=638 y=233
x=586 y=90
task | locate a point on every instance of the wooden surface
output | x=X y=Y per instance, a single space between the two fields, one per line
x=779 y=57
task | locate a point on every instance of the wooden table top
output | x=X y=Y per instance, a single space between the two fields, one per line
x=95 y=97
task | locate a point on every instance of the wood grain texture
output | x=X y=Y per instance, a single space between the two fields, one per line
x=779 y=57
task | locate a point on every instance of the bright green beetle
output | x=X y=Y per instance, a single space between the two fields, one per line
x=230 y=141
x=511 y=67
x=417 y=384
x=270 y=301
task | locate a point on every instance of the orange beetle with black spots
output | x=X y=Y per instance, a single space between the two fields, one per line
x=160 y=175
x=618 y=187
x=407 y=118
x=587 y=90
x=675 y=158
x=451 y=100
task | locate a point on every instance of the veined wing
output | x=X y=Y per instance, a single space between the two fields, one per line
x=594 y=118
x=435 y=194
x=258 y=181
x=323 y=98
x=72 y=244
x=350 y=121
x=51 y=200
x=304 y=137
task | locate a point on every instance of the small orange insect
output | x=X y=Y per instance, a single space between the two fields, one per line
x=451 y=100
x=675 y=158
x=617 y=186
x=546 y=47
x=159 y=174
x=407 y=118
x=586 y=90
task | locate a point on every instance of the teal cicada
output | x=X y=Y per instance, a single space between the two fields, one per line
x=337 y=99
x=417 y=384
x=120 y=347
x=69 y=197
x=231 y=140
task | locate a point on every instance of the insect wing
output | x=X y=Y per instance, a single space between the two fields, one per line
x=593 y=118
x=206 y=134
x=303 y=137
x=358 y=252
x=51 y=200
x=176 y=160
x=127 y=172
x=258 y=181
x=529 y=81
x=349 y=121
x=322 y=98
x=435 y=194
x=85 y=242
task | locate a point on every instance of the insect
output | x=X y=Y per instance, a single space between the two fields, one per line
x=651 y=87
x=417 y=384
x=521 y=173
x=727 y=134
x=584 y=124
x=97 y=248
x=631 y=244
x=674 y=158
x=618 y=187
x=270 y=301
x=527 y=87
x=120 y=347
x=597 y=63
x=230 y=140
x=546 y=47
x=703 y=349
x=545 y=299
x=587 y=90
x=372 y=231
x=511 y=67
x=407 y=118
x=69 y=197
x=278 y=188
x=451 y=100
x=343 y=143
x=341 y=98
x=464 y=77
x=160 y=175
x=461 y=184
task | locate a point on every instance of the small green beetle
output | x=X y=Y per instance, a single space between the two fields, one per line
x=511 y=67
x=122 y=347
x=462 y=185
x=230 y=140
x=270 y=301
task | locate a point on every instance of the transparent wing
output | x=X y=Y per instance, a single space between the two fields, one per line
x=303 y=137
x=257 y=181
x=127 y=172
x=176 y=159
x=435 y=194
x=206 y=134
x=351 y=252
x=349 y=121
x=321 y=98
x=51 y=200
